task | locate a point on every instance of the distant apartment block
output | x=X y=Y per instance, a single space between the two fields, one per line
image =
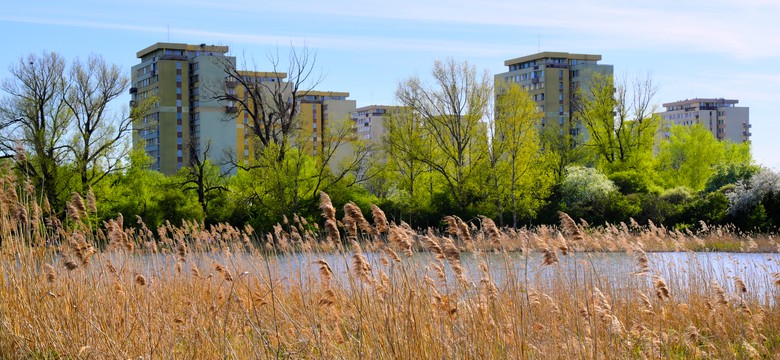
x=721 y=116
x=550 y=78
x=320 y=110
x=188 y=119
x=370 y=121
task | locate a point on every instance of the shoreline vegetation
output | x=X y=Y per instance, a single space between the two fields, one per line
x=79 y=289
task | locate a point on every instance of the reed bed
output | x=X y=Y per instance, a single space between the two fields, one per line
x=376 y=290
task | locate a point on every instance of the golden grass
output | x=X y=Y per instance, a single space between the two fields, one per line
x=190 y=292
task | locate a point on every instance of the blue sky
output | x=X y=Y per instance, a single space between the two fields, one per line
x=714 y=48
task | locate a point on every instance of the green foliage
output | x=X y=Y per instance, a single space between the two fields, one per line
x=730 y=173
x=689 y=156
x=521 y=173
x=443 y=154
x=632 y=181
x=620 y=120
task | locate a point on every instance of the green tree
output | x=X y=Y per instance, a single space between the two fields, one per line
x=621 y=121
x=520 y=170
x=404 y=146
x=451 y=112
x=689 y=156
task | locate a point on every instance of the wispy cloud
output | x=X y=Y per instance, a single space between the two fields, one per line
x=739 y=29
x=742 y=30
x=331 y=42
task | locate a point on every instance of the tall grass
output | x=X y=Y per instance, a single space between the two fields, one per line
x=357 y=290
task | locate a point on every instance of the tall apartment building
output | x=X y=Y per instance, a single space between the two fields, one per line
x=184 y=115
x=321 y=110
x=189 y=120
x=721 y=116
x=550 y=78
x=370 y=121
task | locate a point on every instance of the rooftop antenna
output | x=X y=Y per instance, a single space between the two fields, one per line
x=538 y=43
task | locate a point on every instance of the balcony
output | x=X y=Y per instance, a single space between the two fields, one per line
x=231 y=84
x=231 y=109
x=173 y=57
x=132 y=103
x=747 y=126
x=133 y=90
x=747 y=133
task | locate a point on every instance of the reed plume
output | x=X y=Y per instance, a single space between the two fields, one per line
x=380 y=221
x=328 y=211
x=661 y=289
x=570 y=227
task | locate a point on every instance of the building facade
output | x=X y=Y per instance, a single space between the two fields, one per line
x=176 y=75
x=197 y=112
x=320 y=110
x=721 y=116
x=551 y=78
x=370 y=121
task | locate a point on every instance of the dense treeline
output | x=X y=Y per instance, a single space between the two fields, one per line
x=457 y=145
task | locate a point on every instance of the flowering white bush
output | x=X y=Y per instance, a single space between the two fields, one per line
x=749 y=193
x=583 y=185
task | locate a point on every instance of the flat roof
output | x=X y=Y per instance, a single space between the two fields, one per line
x=325 y=93
x=180 y=46
x=280 y=75
x=701 y=100
x=372 y=107
x=552 y=54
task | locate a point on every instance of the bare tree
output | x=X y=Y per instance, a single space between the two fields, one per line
x=34 y=112
x=98 y=132
x=203 y=177
x=451 y=111
x=270 y=98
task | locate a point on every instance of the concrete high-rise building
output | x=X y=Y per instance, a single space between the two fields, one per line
x=198 y=108
x=370 y=121
x=550 y=78
x=184 y=114
x=320 y=110
x=725 y=120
